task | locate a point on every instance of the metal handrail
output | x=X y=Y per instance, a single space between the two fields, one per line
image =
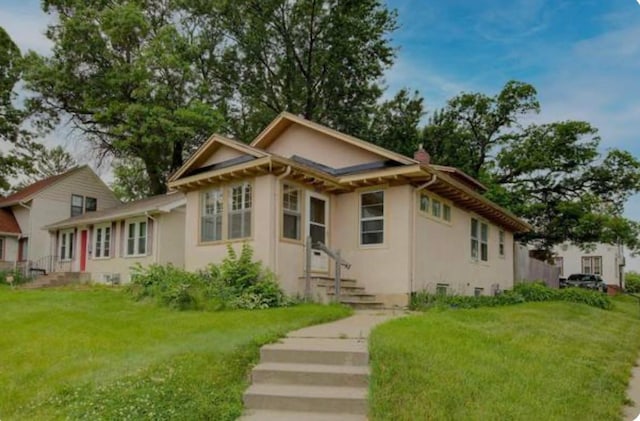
x=335 y=255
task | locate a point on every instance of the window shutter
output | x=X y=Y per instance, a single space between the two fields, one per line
x=122 y=238
x=150 y=229
x=91 y=249
x=113 y=239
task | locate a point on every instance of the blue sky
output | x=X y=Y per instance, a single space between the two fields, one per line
x=583 y=56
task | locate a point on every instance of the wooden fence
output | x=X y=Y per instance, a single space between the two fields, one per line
x=528 y=269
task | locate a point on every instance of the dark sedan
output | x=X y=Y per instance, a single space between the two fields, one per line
x=588 y=281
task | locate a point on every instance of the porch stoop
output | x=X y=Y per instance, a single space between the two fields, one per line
x=351 y=293
x=56 y=279
x=310 y=379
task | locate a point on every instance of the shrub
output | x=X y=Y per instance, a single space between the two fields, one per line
x=238 y=282
x=632 y=282
x=169 y=285
x=18 y=277
x=521 y=293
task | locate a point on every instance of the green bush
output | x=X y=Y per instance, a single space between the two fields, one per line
x=18 y=277
x=521 y=293
x=238 y=282
x=632 y=282
x=168 y=284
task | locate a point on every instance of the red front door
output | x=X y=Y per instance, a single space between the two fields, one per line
x=83 y=251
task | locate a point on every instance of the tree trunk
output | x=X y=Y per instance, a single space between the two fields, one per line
x=157 y=183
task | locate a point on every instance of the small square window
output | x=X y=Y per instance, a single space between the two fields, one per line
x=477 y=292
x=441 y=289
x=90 y=204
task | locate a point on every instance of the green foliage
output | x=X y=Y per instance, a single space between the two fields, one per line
x=536 y=361
x=237 y=283
x=124 y=74
x=131 y=181
x=552 y=175
x=137 y=361
x=632 y=282
x=521 y=293
x=18 y=277
x=169 y=285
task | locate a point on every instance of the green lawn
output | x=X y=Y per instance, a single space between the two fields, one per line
x=95 y=354
x=538 y=361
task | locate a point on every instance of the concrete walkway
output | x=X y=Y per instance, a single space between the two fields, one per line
x=632 y=412
x=357 y=326
x=317 y=373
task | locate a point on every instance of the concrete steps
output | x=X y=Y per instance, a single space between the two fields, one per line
x=310 y=379
x=55 y=279
x=351 y=293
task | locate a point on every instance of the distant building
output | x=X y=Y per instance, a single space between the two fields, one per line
x=606 y=260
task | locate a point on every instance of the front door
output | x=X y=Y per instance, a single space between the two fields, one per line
x=318 y=219
x=83 y=251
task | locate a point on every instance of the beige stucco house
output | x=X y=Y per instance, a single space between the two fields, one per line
x=23 y=242
x=403 y=224
x=107 y=244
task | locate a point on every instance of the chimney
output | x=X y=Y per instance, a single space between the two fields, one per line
x=422 y=156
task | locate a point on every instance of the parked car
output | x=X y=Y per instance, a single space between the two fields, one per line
x=588 y=281
x=562 y=282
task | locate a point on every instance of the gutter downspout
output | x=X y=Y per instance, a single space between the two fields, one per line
x=413 y=241
x=156 y=237
x=277 y=219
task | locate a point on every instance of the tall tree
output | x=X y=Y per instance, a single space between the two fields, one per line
x=122 y=73
x=131 y=182
x=321 y=59
x=395 y=123
x=44 y=162
x=552 y=175
x=476 y=125
x=10 y=116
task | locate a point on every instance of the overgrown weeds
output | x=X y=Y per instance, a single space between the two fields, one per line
x=238 y=282
x=521 y=293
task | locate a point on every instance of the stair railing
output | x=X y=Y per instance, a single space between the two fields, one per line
x=339 y=263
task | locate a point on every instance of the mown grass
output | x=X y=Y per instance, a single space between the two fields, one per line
x=535 y=361
x=96 y=354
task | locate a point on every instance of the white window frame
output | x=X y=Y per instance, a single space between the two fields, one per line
x=484 y=241
x=244 y=206
x=100 y=242
x=136 y=237
x=475 y=239
x=501 y=248
x=289 y=210
x=592 y=260
x=362 y=220
x=66 y=247
x=446 y=210
x=217 y=196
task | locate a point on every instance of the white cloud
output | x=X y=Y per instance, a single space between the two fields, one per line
x=26 y=27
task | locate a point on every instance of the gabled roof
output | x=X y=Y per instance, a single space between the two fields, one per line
x=8 y=223
x=285 y=120
x=209 y=147
x=157 y=204
x=31 y=190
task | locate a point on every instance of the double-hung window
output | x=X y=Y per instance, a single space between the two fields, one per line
x=484 y=242
x=291 y=212
x=474 y=238
x=372 y=218
x=102 y=243
x=211 y=216
x=240 y=211
x=592 y=265
x=77 y=205
x=136 y=238
x=66 y=245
